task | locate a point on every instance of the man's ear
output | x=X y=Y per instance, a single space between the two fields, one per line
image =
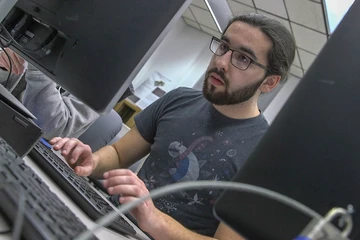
x=270 y=83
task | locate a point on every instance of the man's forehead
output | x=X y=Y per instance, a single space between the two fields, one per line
x=240 y=34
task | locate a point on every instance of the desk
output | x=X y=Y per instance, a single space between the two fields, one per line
x=102 y=233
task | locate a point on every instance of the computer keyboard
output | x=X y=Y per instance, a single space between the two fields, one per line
x=77 y=188
x=45 y=216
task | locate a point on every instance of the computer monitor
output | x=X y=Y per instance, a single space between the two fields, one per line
x=310 y=153
x=92 y=48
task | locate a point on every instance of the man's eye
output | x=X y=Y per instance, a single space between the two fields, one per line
x=222 y=46
x=243 y=58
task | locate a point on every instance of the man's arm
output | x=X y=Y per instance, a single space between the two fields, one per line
x=122 y=154
x=150 y=219
x=172 y=230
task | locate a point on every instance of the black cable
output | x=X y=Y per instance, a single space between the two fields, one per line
x=10 y=63
x=12 y=40
x=5 y=45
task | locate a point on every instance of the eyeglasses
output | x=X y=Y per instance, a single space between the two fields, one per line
x=238 y=59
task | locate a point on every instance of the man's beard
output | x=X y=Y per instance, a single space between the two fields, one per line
x=228 y=98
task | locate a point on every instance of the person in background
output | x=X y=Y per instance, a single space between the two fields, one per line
x=58 y=112
x=193 y=135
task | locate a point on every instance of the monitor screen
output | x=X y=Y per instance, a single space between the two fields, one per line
x=310 y=153
x=92 y=48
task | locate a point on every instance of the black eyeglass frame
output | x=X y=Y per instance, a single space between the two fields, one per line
x=232 y=52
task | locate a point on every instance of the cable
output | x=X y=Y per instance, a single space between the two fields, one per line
x=104 y=221
x=12 y=40
x=10 y=63
x=3 y=28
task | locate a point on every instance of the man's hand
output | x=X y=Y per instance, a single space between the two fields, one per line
x=130 y=187
x=77 y=154
x=19 y=65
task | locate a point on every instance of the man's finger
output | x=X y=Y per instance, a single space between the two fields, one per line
x=60 y=143
x=128 y=190
x=80 y=151
x=83 y=170
x=118 y=172
x=54 y=140
x=121 y=180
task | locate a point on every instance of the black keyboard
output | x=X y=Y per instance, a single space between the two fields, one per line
x=77 y=188
x=45 y=216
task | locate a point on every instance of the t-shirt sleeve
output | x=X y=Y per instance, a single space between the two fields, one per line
x=146 y=121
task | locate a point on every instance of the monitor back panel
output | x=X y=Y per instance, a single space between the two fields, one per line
x=311 y=151
x=98 y=46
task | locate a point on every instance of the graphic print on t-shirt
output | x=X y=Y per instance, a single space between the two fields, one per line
x=210 y=157
x=187 y=165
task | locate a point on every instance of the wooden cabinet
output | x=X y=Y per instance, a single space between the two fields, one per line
x=127 y=110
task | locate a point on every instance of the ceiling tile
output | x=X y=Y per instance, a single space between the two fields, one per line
x=306 y=13
x=192 y=23
x=247 y=2
x=286 y=23
x=199 y=3
x=308 y=39
x=306 y=58
x=238 y=8
x=188 y=14
x=210 y=31
x=296 y=60
x=296 y=71
x=276 y=7
x=203 y=17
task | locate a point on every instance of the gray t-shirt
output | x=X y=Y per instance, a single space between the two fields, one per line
x=192 y=141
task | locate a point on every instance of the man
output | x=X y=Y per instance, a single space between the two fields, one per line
x=192 y=136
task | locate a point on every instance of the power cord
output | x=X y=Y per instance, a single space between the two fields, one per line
x=176 y=187
x=12 y=40
x=5 y=45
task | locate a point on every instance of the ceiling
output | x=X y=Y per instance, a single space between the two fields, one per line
x=304 y=18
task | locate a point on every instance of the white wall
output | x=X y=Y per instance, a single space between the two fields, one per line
x=182 y=57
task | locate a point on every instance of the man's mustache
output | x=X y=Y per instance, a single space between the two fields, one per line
x=220 y=73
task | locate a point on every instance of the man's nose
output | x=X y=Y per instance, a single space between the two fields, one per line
x=223 y=61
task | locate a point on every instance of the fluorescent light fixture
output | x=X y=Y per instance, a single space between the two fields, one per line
x=220 y=11
x=213 y=15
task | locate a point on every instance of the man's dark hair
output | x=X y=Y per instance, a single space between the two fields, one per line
x=282 y=54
